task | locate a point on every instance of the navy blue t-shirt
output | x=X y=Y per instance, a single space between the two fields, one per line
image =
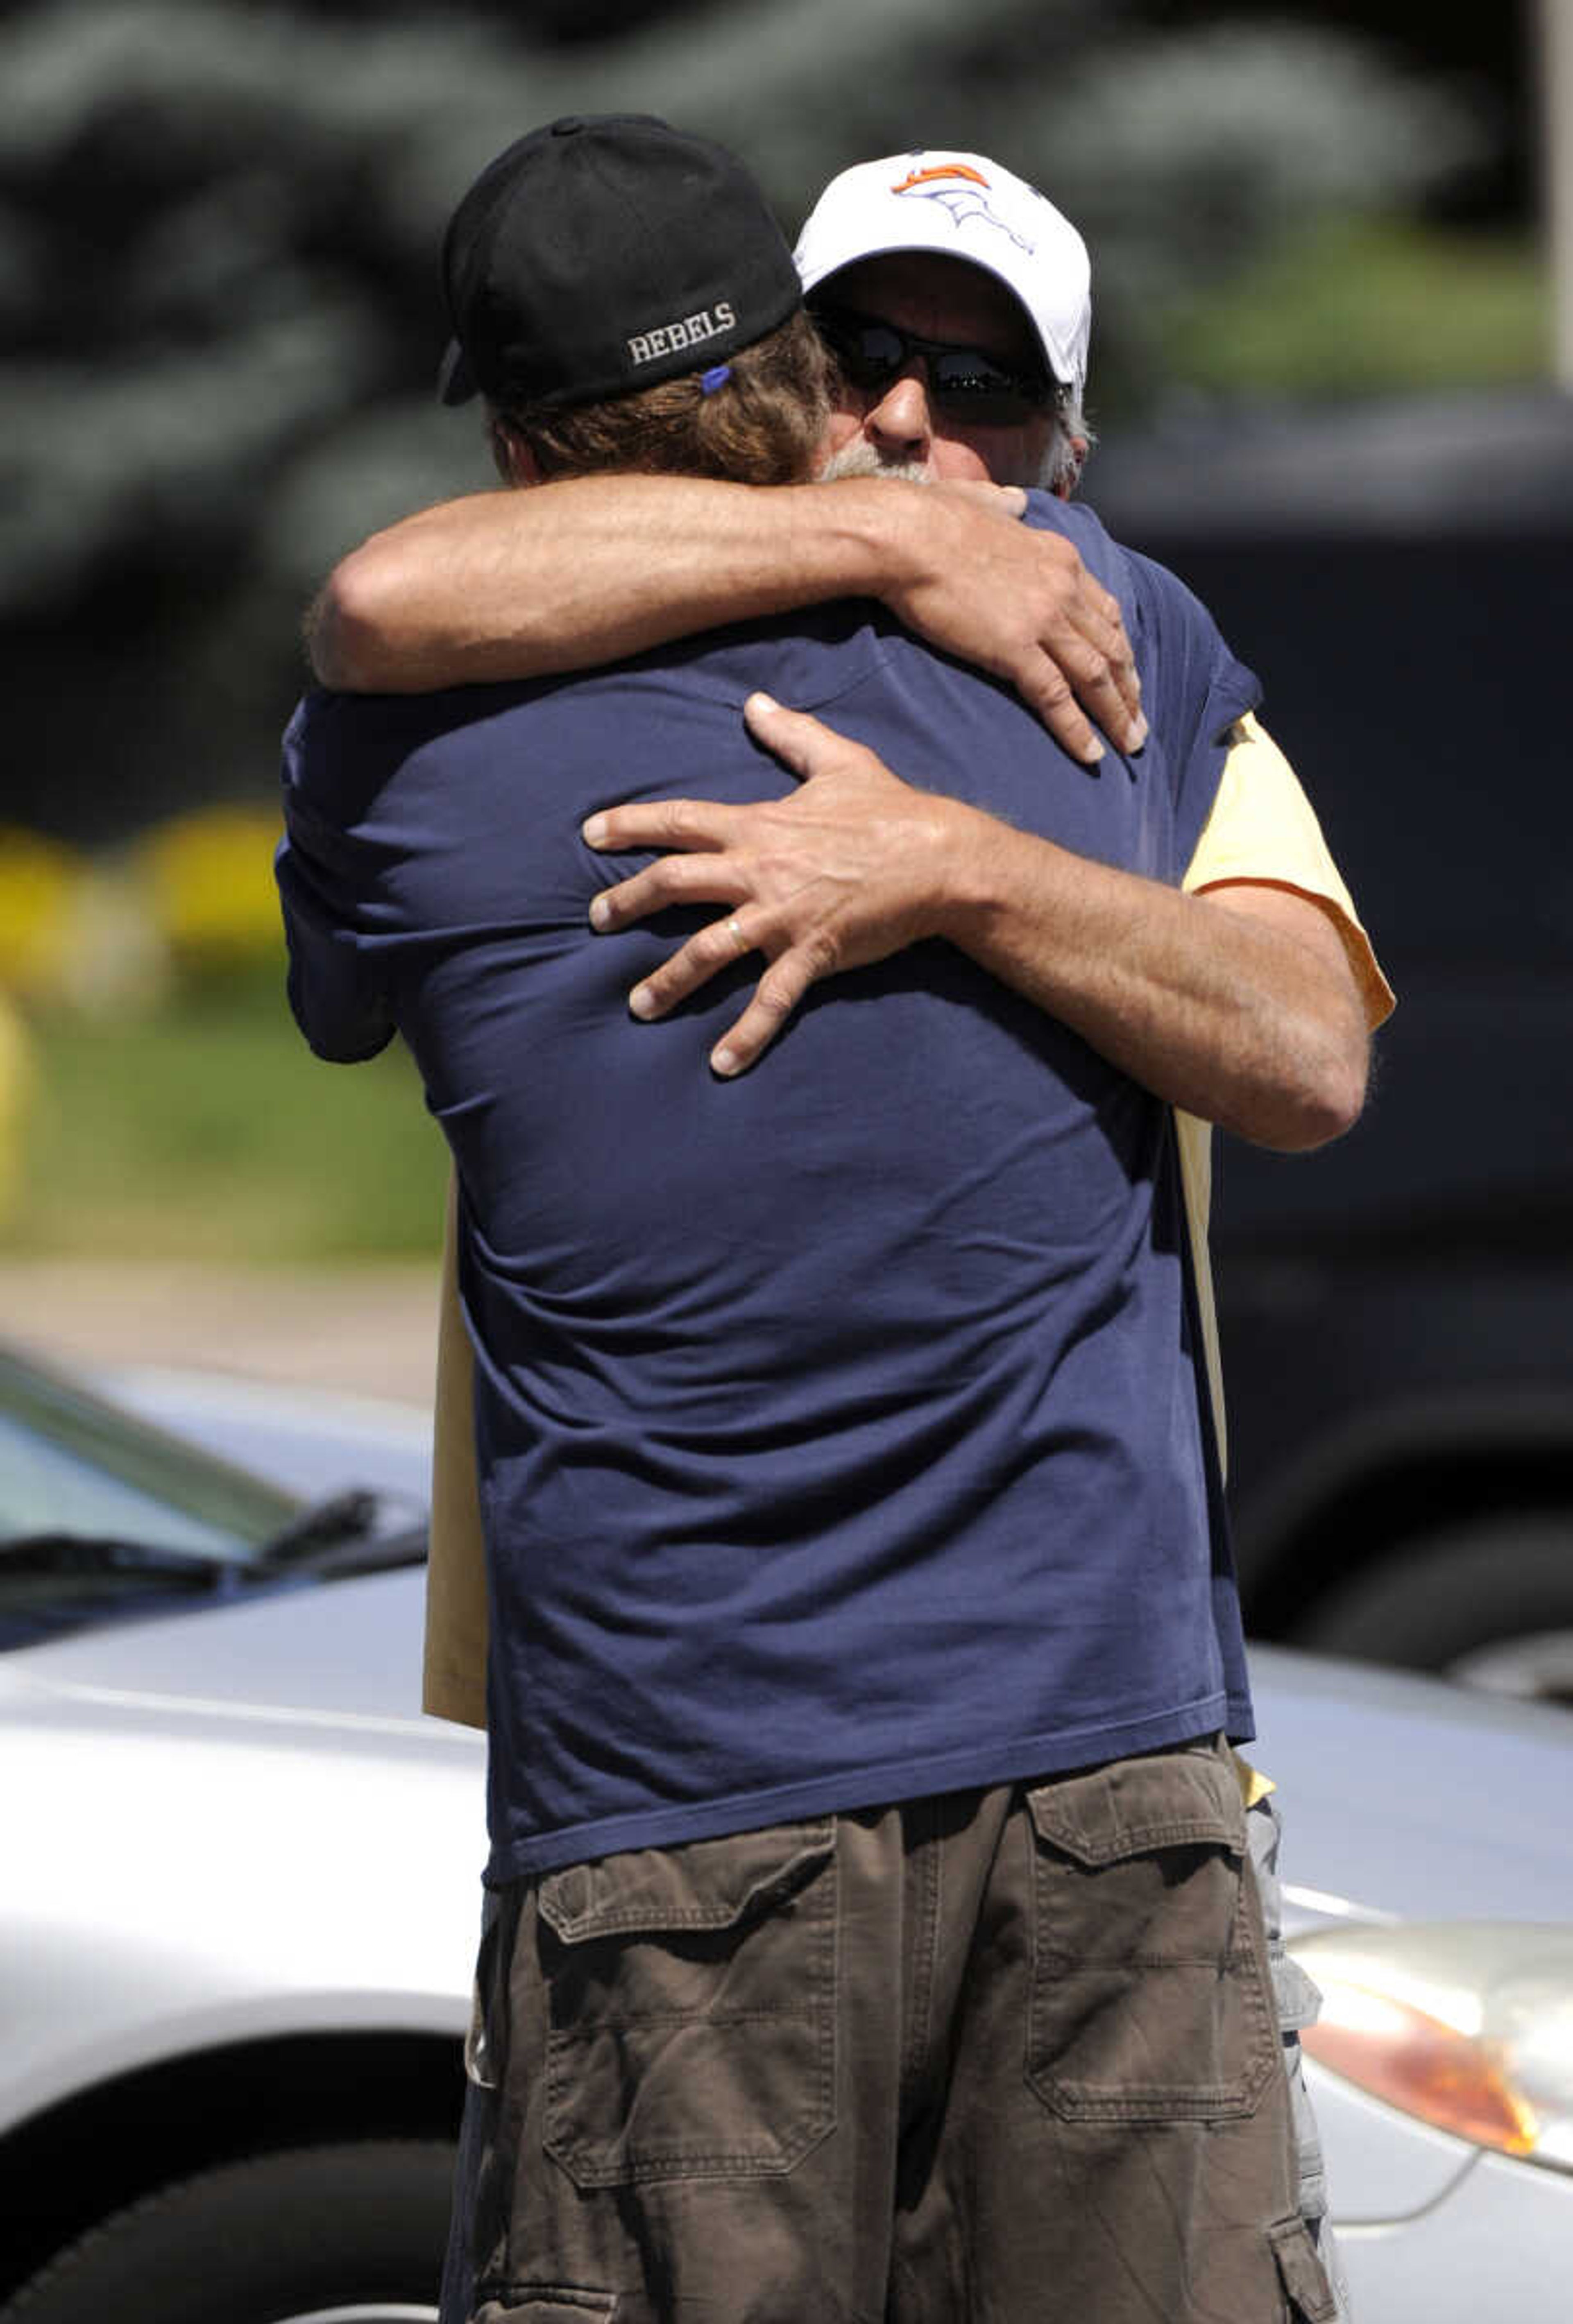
x=841 y=1427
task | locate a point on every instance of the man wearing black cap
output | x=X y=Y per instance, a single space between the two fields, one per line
x=538 y=215
x=934 y=272
x=871 y=1937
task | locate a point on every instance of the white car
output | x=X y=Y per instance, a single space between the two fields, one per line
x=238 y=1902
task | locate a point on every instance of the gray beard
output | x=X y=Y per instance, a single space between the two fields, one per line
x=860 y=458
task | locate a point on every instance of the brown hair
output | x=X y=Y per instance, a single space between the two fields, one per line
x=762 y=426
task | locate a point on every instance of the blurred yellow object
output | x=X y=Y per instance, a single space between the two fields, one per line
x=39 y=878
x=117 y=962
x=210 y=879
x=75 y=929
x=16 y=1075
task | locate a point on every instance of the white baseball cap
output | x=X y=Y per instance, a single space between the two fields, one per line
x=963 y=206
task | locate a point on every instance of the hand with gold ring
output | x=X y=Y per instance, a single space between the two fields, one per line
x=848 y=868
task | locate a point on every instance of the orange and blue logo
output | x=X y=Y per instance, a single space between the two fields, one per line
x=916 y=177
x=963 y=191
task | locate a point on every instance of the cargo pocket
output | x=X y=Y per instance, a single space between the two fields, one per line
x=692 y=2007
x=1298 y=2004
x=1302 y=2275
x=1149 y=1995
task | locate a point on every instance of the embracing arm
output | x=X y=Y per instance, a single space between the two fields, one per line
x=1238 y=1005
x=565 y=576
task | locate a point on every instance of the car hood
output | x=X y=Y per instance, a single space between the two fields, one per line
x=1408 y=1798
x=346 y=1653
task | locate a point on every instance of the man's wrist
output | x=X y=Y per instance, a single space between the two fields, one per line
x=968 y=849
x=869 y=529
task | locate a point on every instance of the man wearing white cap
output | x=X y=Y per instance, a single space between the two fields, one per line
x=956 y=298
x=980 y=221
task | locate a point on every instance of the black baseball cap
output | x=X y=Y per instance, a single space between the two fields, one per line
x=604 y=252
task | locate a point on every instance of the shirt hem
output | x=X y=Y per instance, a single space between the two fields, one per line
x=880 y=1785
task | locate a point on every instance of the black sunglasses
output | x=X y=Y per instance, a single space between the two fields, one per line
x=963 y=382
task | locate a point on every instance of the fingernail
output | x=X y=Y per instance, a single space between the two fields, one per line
x=1139 y=731
x=724 y=1061
x=593 y=831
x=762 y=702
x=641 y=1002
x=1093 y=752
x=600 y=912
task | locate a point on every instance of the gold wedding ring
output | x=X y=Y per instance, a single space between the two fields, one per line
x=737 y=936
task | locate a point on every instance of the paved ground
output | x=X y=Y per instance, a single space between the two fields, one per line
x=369 y=1330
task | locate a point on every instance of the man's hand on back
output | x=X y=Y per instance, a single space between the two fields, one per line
x=1240 y=1006
x=843 y=871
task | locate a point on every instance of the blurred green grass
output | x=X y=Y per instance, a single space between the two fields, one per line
x=205 y=1130
x=1367 y=306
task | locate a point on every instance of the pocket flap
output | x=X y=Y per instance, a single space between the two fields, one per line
x=1301 y=2272
x=1137 y=1805
x=707 y=1884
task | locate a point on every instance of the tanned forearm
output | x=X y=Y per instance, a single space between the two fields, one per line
x=1238 y=1005
x=569 y=574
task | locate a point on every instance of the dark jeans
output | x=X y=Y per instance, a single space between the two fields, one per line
x=1001 y=2055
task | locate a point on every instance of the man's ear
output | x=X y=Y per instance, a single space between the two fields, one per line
x=1066 y=481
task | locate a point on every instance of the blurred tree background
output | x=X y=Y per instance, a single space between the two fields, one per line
x=218 y=227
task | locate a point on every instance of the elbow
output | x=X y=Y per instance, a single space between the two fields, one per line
x=350 y=639
x=1323 y=1099
x=1328 y=1111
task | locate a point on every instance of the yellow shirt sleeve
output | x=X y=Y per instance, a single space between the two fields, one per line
x=455 y=1676
x=1263 y=829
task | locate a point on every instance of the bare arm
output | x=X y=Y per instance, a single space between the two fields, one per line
x=1238 y=1005
x=566 y=576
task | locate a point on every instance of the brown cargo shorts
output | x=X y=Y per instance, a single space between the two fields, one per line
x=991 y=2057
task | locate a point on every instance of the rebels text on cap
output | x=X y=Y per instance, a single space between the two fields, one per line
x=693 y=330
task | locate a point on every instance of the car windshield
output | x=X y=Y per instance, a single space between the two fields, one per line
x=101 y=1514
x=72 y=1465
x=105 y=1518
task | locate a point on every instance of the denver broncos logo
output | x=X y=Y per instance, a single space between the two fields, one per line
x=941 y=169
x=938 y=184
